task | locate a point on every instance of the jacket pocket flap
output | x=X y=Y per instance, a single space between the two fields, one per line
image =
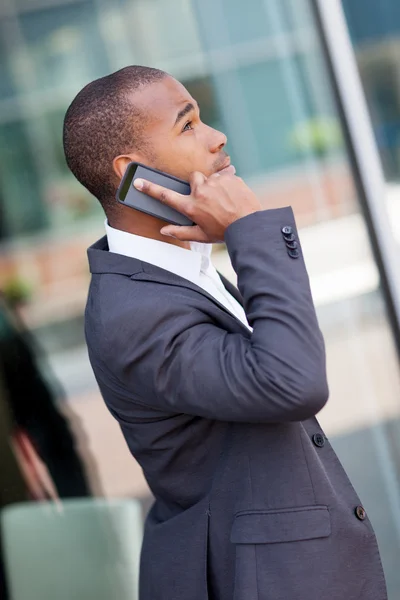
x=277 y=526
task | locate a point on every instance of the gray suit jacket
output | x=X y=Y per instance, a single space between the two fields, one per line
x=251 y=501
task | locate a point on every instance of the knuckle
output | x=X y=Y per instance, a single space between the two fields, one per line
x=163 y=197
x=189 y=210
x=213 y=177
x=195 y=179
x=201 y=192
x=194 y=188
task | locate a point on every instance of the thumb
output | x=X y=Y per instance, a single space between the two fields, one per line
x=185 y=234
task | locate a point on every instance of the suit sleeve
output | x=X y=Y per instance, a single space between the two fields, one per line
x=185 y=363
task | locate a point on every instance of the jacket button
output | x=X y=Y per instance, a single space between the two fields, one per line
x=360 y=513
x=287 y=230
x=291 y=245
x=293 y=253
x=289 y=238
x=318 y=440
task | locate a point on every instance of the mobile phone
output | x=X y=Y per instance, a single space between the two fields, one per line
x=128 y=195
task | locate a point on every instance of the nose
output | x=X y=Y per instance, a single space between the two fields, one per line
x=218 y=140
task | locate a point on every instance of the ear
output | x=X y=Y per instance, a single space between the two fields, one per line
x=120 y=163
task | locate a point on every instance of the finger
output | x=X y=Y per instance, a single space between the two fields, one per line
x=196 y=178
x=218 y=176
x=164 y=195
x=185 y=234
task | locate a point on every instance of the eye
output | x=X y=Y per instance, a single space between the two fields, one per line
x=188 y=126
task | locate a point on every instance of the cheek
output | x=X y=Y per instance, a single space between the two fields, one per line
x=194 y=148
x=182 y=156
x=182 y=151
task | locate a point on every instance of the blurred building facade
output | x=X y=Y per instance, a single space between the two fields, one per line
x=259 y=73
x=374 y=29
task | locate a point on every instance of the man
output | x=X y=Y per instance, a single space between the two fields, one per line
x=215 y=391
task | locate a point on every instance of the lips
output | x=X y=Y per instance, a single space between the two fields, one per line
x=227 y=167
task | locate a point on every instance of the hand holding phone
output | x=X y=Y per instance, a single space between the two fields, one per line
x=128 y=195
x=214 y=203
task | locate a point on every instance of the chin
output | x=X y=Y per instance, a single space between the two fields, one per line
x=187 y=175
x=207 y=172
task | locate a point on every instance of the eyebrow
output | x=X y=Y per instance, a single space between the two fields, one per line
x=185 y=111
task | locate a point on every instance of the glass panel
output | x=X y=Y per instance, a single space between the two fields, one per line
x=375 y=33
x=49 y=54
x=259 y=75
x=7 y=89
x=63 y=44
x=19 y=181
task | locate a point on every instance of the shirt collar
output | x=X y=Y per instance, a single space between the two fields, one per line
x=185 y=263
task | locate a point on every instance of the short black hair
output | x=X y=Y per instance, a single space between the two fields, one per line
x=101 y=123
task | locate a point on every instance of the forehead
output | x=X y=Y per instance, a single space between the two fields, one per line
x=161 y=101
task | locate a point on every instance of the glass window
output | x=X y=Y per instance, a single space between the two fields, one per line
x=22 y=206
x=7 y=89
x=375 y=33
x=51 y=53
x=63 y=45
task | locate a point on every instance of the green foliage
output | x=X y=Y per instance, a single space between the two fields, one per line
x=319 y=135
x=17 y=291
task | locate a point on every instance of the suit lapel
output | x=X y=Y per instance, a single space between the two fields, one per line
x=231 y=289
x=152 y=273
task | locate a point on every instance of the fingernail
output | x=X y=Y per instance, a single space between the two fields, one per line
x=165 y=232
x=138 y=183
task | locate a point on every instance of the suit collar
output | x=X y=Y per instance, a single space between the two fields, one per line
x=188 y=264
x=101 y=260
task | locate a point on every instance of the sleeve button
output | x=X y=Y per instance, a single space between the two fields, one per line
x=293 y=253
x=360 y=513
x=287 y=230
x=289 y=238
x=318 y=440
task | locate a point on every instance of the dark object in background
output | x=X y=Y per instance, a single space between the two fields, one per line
x=28 y=410
x=12 y=485
x=33 y=408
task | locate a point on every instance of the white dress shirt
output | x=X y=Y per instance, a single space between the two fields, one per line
x=194 y=265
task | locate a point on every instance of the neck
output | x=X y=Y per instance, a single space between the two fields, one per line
x=144 y=225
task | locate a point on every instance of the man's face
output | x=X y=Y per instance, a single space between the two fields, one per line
x=178 y=141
